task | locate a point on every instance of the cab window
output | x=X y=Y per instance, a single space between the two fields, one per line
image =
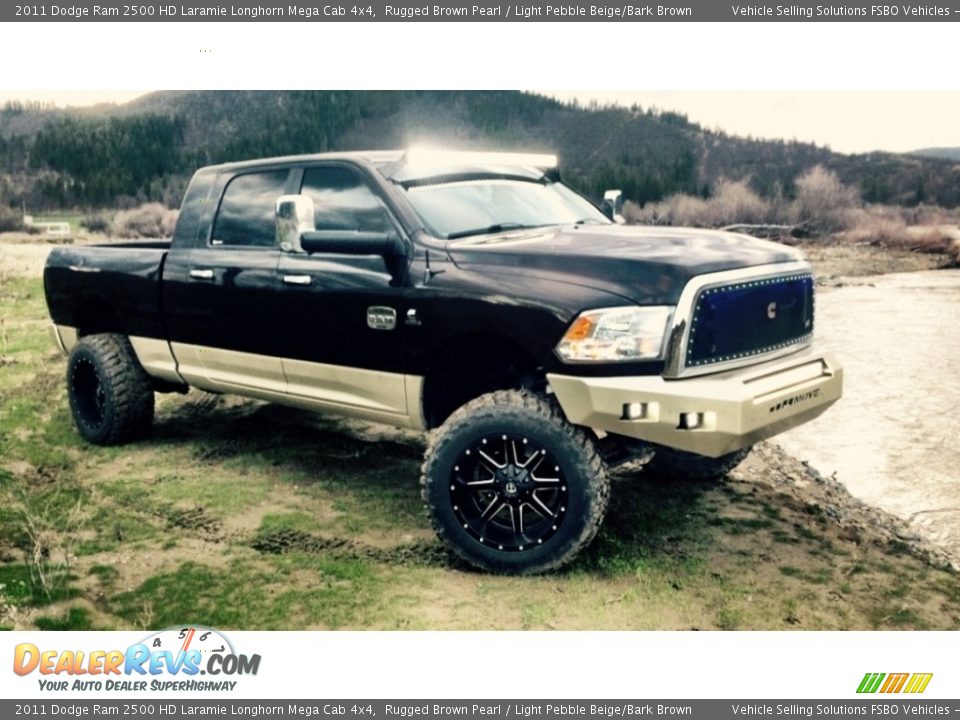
x=343 y=201
x=247 y=211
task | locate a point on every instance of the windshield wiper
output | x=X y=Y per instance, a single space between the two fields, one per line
x=499 y=227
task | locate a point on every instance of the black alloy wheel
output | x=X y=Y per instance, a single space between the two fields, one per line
x=508 y=492
x=511 y=486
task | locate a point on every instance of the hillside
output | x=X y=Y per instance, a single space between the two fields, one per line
x=146 y=149
x=948 y=153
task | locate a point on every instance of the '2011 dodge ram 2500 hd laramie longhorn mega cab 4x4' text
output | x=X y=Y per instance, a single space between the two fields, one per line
x=470 y=294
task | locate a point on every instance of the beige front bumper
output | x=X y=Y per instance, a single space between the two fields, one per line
x=712 y=414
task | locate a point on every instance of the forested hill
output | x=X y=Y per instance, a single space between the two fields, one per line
x=147 y=149
x=947 y=153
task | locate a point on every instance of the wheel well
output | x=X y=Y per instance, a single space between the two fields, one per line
x=96 y=316
x=472 y=365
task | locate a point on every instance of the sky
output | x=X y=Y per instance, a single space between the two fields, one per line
x=845 y=121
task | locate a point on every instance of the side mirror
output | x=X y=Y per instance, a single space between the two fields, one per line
x=294 y=218
x=297 y=233
x=613 y=205
x=353 y=242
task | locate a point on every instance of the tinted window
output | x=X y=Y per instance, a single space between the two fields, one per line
x=343 y=201
x=248 y=209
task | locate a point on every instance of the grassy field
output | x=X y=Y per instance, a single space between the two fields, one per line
x=73 y=219
x=237 y=514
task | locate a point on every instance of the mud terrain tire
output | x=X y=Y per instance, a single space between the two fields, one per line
x=511 y=486
x=672 y=464
x=111 y=396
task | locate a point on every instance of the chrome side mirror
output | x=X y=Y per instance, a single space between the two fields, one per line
x=294 y=217
x=613 y=205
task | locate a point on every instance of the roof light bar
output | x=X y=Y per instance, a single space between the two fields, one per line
x=435 y=157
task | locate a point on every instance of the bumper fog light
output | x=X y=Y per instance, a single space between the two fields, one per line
x=634 y=411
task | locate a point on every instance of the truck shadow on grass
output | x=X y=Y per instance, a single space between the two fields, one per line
x=380 y=468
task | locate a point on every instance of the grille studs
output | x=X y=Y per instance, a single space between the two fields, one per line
x=795 y=285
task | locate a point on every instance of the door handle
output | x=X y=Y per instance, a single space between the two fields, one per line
x=202 y=274
x=297 y=279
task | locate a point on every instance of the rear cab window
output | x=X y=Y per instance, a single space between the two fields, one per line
x=246 y=217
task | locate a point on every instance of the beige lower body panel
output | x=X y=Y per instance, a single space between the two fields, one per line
x=155 y=355
x=391 y=398
x=228 y=371
x=157 y=358
x=64 y=337
x=727 y=411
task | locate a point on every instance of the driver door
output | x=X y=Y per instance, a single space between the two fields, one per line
x=343 y=332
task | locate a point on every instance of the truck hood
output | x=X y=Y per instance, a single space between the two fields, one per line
x=648 y=265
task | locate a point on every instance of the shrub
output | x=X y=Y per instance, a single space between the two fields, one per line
x=736 y=203
x=877 y=228
x=732 y=203
x=10 y=220
x=95 y=223
x=885 y=227
x=151 y=220
x=824 y=203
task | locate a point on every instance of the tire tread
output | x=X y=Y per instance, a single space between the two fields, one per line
x=131 y=389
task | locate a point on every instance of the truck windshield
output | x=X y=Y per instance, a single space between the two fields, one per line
x=460 y=209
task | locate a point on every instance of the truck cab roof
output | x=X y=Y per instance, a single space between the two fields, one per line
x=417 y=164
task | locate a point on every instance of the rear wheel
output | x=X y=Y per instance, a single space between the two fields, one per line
x=111 y=396
x=679 y=465
x=513 y=487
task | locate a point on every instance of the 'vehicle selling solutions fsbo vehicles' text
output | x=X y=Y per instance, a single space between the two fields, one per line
x=470 y=294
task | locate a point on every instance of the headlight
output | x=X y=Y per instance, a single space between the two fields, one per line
x=616 y=334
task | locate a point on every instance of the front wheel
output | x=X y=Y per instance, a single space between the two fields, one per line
x=511 y=486
x=680 y=465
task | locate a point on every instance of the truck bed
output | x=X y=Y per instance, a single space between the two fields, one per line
x=112 y=287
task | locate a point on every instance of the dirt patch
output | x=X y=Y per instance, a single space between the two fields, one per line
x=834 y=264
x=427 y=554
x=197 y=520
x=833 y=509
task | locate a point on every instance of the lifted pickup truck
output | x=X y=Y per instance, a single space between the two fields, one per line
x=470 y=294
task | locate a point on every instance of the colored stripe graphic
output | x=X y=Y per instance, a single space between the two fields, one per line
x=870 y=682
x=918 y=683
x=894 y=682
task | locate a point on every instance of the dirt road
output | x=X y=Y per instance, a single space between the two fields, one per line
x=892 y=440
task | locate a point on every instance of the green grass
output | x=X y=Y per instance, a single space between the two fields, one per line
x=75 y=618
x=17 y=584
x=106 y=573
x=73 y=219
x=277 y=522
x=221 y=489
x=252 y=595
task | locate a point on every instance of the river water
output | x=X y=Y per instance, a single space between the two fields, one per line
x=894 y=438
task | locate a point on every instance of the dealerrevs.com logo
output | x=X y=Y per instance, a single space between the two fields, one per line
x=894 y=682
x=180 y=659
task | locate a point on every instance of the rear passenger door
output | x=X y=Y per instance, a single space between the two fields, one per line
x=344 y=321
x=223 y=322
